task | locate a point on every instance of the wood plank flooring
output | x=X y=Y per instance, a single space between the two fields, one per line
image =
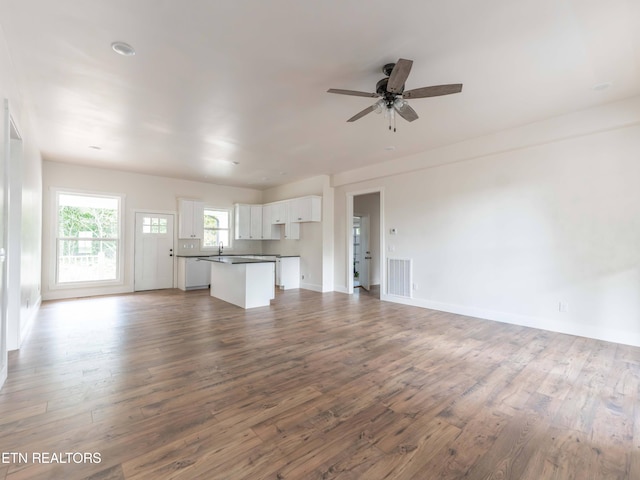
x=173 y=384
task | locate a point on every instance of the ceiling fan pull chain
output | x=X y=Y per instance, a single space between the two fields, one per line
x=392 y=118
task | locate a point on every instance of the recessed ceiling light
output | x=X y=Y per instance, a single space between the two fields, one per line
x=601 y=86
x=390 y=148
x=122 y=48
x=95 y=147
x=236 y=163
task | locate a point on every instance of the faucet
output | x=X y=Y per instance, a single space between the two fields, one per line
x=220 y=247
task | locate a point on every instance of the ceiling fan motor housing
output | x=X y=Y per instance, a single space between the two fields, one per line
x=381 y=89
x=388 y=68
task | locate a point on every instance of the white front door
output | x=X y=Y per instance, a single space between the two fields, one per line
x=153 y=268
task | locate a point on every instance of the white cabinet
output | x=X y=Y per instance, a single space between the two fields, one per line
x=193 y=273
x=256 y=222
x=261 y=222
x=243 y=221
x=279 y=213
x=288 y=272
x=305 y=209
x=270 y=231
x=292 y=231
x=190 y=218
x=248 y=224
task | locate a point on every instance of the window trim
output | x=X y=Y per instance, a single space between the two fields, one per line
x=230 y=213
x=54 y=241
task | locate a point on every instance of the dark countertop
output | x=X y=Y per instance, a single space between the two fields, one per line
x=200 y=255
x=236 y=260
x=195 y=255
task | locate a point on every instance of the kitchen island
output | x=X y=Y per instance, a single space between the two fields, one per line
x=242 y=281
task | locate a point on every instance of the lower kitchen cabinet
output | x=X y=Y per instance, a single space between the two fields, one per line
x=288 y=272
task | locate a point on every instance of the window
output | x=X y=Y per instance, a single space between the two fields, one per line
x=216 y=228
x=87 y=238
x=154 y=225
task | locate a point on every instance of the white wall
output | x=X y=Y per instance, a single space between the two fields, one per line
x=26 y=294
x=143 y=193
x=509 y=235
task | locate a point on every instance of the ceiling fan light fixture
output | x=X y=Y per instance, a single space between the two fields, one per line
x=379 y=106
x=399 y=103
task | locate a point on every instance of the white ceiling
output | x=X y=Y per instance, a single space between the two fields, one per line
x=245 y=81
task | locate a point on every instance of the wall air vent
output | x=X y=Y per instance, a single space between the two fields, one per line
x=399 y=277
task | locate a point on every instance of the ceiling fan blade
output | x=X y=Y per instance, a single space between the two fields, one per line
x=434 y=91
x=406 y=112
x=362 y=113
x=355 y=93
x=399 y=75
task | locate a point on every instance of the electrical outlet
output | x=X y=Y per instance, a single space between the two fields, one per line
x=302 y=276
x=415 y=286
x=563 y=307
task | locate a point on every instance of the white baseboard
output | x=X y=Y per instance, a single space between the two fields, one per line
x=341 y=289
x=311 y=286
x=85 y=292
x=3 y=374
x=552 y=325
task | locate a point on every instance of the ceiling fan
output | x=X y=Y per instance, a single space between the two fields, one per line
x=393 y=97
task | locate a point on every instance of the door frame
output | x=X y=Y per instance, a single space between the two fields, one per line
x=132 y=241
x=365 y=233
x=349 y=239
x=16 y=330
x=12 y=329
x=4 y=297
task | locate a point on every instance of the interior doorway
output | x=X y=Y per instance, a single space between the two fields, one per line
x=365 y=242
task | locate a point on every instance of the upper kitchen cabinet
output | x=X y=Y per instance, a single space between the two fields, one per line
x=270 y=231
x=248 y=224
x=305 y=209
x=279 y=212
x=190 y=218
x=292 y=231
x=281 y=215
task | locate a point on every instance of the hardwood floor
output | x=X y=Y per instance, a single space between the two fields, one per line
x=175 y=384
